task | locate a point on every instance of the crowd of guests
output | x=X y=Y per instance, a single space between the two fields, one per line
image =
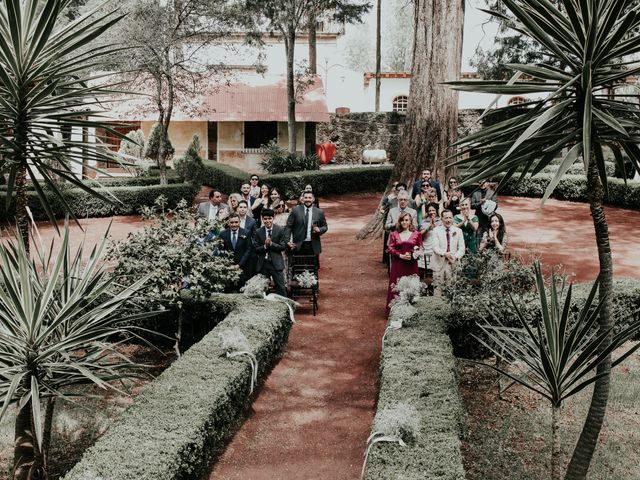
x=262 y=232
x=430 y=229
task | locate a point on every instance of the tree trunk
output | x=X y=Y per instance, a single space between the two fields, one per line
x=432 y=117
x=289 y=45
x=23 y=452
x=313 y=52
x=22 y=217
x=378 y=53
x=555 y=443
x=48 y=425
x=583 y=452
x=162 y=160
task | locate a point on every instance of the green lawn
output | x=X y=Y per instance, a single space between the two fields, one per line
x=510 y=438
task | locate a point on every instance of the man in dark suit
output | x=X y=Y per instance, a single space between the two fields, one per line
x=426 y=177
x=246 y=222
x=306 y=223
x=269 y=241
x=238 y=240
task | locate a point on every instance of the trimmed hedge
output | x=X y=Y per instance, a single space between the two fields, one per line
x=86 y=205
x=462 y=323
x=181 y=420
x=417 y=366
x=574 y=188
x=325 y=182
x=172 y=177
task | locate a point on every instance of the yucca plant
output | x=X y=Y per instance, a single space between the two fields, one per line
x=559 y=351
x=590 y=46
x=48 y=98
x=58 y=316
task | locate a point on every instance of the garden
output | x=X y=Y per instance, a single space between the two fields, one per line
x=138 y=356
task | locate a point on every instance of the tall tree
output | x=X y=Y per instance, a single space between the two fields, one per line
x=287 y=18
x=165 y=53
x=432 y=117
x=313 y=44
x=597 y=41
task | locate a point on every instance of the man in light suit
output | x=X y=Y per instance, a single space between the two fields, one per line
x=238 y=241
x=403 y=207
x=426 y=177
x=306 y=223
x=214 y=209
x=269 y=241
x=448 y=249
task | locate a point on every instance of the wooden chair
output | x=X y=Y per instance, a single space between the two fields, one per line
x=299 y=264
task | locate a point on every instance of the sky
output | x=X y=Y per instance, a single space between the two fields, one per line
x=477 y=29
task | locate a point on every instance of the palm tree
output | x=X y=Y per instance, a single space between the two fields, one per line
x=47 y=99
x=593 y=41
x=558 y=352
x=57 y=315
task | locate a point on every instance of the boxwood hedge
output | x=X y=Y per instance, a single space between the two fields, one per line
x=180 y=421
x=417 y=366
x=325 y=182
x=86 y=205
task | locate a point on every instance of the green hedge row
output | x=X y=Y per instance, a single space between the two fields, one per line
x=574 y=188
x=172 y=177
x=417 y=366
x=462 y=322
x=325 y=182
x=180 y=421
x=86 y=205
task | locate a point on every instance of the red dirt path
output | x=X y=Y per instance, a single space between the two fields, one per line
x=314 y=413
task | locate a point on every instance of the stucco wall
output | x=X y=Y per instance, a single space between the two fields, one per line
x=283 y=135
x=181 y=133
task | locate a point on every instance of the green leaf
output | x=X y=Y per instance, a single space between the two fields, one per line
x=568 y=160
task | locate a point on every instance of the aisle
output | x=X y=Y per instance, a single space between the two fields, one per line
x=313 y=415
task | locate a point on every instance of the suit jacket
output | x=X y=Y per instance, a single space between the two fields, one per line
x=242 y=252
x=279 y=236
x=297 y=227
x=417 y=188
x=203 y=210
x=249 y=224
x=440 y=246
x=394 y=214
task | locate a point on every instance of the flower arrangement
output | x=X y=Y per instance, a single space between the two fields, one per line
x=399 y=424
x=235 y=344
x=409 y=288
x=256 y=286
x=306 y=279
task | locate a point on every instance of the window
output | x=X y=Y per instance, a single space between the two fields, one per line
x=517 y=100
x=400 y=103
x=257 y=134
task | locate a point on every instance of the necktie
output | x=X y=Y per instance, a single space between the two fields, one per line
x=306 y=224
x=234 y=239
x=448 y=241
x=269 y=233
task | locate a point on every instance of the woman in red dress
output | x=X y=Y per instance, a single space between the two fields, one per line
x=402 y=243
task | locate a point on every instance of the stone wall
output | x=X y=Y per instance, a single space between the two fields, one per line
x=354 y=132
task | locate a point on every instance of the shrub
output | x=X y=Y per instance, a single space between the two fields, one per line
x=132 y=153
x=153 y=144
x=417 y=368
x=190 y=168
x=279 y=160
x=325 y=182
x=181 y=420
x=128 y=201
x=173 y=251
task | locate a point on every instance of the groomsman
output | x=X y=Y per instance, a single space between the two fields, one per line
x=307 y=223
x=269 y=241
x=238 y=241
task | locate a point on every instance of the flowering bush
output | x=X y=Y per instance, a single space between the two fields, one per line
x=174 y=251
x=256 y=286
x=409 y=288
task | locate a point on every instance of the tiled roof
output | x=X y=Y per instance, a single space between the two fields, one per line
x=251 y=97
